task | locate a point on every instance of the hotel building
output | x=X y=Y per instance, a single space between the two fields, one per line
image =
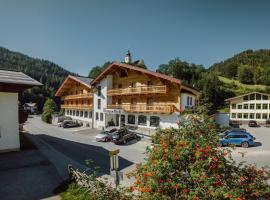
x=77 y=99
x=124 y=94
x=252 y=106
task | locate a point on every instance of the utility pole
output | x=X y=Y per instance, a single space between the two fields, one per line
x=114 y=166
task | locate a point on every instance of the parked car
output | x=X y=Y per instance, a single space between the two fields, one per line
x=241 y=138
x=123 y=135
x=61 y=119
x=252 y=123
x=234 y=130
x=106 y=135
x=267 y=123
x=70 y=124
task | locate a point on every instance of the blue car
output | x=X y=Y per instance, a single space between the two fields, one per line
x=239 y=138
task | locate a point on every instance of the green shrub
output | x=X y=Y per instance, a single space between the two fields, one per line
x=46 y=117
x=49 y=108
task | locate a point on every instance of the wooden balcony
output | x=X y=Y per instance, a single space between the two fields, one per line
x=77 y=96
x=161 y=89
x=77 y=106
x=167 y=109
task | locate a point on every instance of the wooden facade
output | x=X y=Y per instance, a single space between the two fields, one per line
x=75 y=94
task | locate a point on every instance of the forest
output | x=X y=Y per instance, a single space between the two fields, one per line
x=244 y=72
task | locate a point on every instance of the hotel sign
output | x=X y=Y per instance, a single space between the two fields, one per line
x=113 y=111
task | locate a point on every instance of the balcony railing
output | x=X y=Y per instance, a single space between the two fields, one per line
x=77 y=106
x=161 y=89
x=77 y=96
x=145 y=108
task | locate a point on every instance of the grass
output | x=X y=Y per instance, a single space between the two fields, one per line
x=245 y=86
x=26 y=144
x=71 y=191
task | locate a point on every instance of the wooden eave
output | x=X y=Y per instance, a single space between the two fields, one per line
x=64 y=84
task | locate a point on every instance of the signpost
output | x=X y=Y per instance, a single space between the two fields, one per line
x=114 y=166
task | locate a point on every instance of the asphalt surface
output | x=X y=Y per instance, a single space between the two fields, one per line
x=27 y=175
x=77 y=145
x=259 y=154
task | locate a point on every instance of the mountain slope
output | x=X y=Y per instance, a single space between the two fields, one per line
x=249 y=67
x=48 y=73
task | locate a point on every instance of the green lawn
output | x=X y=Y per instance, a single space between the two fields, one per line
x=245 y=86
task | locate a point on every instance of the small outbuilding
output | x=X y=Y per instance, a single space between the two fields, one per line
x=12 y=84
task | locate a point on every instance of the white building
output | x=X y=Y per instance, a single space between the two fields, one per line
x=251 y=106
x=12 y=85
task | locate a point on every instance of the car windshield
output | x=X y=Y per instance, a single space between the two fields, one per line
x=104 y=132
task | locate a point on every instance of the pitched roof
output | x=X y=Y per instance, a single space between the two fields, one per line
x=139 y=69
x=142 y=70
x=83 y=80
x=246 y=95
x=17 y=78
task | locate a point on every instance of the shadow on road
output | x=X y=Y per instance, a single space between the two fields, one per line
x=80 y=153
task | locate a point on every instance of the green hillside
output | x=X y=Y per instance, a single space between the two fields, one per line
x=48 y=73
x=248 y=67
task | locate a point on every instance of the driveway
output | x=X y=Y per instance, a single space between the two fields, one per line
x=76 y=146
x=27 y=175
x=260 y=153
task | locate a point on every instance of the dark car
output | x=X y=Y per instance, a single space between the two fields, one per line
x=70 y=124
x=267 y=123
x=252 y=123
x=123 y=135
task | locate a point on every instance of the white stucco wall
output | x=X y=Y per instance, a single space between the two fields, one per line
x=105 y=84
x=9 y=122
x=184 y=103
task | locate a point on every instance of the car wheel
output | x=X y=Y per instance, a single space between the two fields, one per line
x=245 y=144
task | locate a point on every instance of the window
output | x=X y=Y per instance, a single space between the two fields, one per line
x=85 y=114
x=251 y=106
x=67 y=112
x=73 y=112
x=123 y=73
x=246 y=97
x=234 y=106
x=258 y=115
x=239 y=115
x=233 y=115
x=131 y=119
x=99 y=90
x=77 y=113
x=90 y=114
x=245 y=106
x=149 y=83
x=251 y=116
x=149 y=101
x=97 y=116
x=119 y=101
x=245 y=116
x=252 y=97
x=133 y=84
x=258 y=96
x=265 y=106
x=258 y=106
x=81 y=113
x=189 y=101
x=264 y=115
x=264 y=97
x=142 y=120
x=99 y=103
x=101 y=116
x=119 y=85
x=154 y=121
x=239 y=106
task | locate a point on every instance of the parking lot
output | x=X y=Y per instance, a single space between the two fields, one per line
x=259 y=154
x=76 y=145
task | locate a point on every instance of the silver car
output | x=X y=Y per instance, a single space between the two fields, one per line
x=106 y=135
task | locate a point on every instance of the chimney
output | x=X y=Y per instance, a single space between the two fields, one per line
x=128 y=57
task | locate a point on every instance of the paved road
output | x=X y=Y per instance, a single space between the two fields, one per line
x=260 y=153
x=75 y=146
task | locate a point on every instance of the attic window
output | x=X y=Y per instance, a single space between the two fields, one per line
x=123 y=73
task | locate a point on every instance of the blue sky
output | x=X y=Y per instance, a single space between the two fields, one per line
x=81 y=34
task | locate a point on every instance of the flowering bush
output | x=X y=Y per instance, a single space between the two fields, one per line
x=186 y=163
